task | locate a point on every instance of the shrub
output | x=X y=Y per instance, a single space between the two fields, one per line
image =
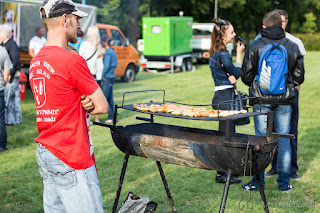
x=311 y=41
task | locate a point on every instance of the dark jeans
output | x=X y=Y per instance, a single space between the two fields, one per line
x=294 y=131
x=220 y=96
x=3 y=132
x=107 y=89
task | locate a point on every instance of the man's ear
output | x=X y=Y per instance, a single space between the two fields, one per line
x=264 y=26
x=63 y=20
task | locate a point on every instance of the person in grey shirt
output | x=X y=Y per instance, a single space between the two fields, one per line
x=295 y=109
x=5 y=65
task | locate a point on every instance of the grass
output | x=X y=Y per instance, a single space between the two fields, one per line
x=193 y=190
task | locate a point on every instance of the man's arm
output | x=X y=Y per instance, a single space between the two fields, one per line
x=31 y=53
x=298 y=71
x=14 y=56
x=7 y=66
x=6 y=75
x=95 y=103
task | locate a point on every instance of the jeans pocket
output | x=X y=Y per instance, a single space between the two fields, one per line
x=91 y=174
x=62 y=175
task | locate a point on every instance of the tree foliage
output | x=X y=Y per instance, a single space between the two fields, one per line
x=309 y=26
x=245 y=15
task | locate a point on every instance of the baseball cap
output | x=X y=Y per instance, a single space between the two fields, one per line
x=56 y=8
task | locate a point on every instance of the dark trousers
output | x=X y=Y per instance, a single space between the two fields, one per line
x=3 y=132
x=294 y=131
x=221 y=96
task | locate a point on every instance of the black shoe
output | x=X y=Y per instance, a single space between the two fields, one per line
x=223 y=179
x=271 y=173
x=295 y=176
x=2 y=149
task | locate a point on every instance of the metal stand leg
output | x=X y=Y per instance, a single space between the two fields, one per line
x=263 y=196
x=225 y=192
x=165 y=184
x=123 y=172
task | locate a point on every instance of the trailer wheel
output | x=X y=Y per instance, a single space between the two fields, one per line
x=130 y=74
x=183 y=67
x=189 y=64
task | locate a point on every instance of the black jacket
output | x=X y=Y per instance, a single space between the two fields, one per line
x=14 y=54
x=274 y=34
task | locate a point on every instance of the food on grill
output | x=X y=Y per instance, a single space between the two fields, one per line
x=186 y=111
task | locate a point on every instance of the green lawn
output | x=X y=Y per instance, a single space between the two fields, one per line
x=193 y=190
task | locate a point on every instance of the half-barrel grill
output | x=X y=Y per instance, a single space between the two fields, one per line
x=236 y=154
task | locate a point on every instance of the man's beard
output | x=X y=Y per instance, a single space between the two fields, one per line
x=72 y=38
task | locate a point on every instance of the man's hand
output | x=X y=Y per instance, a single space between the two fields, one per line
x=232 y=79
x=87 y=103
x=298 y=88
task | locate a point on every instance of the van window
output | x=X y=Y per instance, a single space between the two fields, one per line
x=117 y=38
x=102 y=32
x=201 y=32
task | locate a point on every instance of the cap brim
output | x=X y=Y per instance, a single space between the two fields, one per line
x=80 y=13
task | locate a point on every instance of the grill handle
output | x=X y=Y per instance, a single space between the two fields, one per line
x=283 y=135
x=103 y=124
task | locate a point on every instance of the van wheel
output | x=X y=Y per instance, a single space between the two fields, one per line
x=130 y=74
x=189 y=64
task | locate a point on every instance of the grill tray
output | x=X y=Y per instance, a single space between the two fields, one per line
x=233 y=117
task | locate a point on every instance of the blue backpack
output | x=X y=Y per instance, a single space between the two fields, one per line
x=273 y=69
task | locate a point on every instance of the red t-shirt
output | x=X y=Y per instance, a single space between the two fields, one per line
x=58 y=78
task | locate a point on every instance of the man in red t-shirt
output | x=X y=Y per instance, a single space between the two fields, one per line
x=64 y=92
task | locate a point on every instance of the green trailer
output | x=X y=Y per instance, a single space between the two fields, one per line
x=167 y=43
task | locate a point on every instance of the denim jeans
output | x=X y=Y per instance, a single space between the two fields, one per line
x=3 y=132
x=107 y=89
x=294 y=131
x=282 y=117
x=66 y=189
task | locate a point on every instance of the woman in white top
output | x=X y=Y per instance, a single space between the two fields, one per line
x=90 y=51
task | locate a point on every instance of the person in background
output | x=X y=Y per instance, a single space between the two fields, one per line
x=295 y=110
x=13 y=114
x=272 y=32
x=90 y=51
x=224 y=74
x=80 y=35
x=5 y=66
x=110 y=63
x=65 y=92
x=37 y=41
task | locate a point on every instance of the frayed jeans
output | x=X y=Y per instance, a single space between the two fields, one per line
x=67 y=189
x=282 y=117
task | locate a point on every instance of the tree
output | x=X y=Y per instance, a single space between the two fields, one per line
x=133 y=21
x=309 y=26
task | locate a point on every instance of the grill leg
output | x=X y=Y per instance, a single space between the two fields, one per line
x=263 y=196
x=225 y=192
x=123 y=172
x=165 y=184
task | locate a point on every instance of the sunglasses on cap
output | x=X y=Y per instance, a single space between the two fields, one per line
x=222 y=22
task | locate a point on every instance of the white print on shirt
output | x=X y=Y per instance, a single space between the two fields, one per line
x=39 y=91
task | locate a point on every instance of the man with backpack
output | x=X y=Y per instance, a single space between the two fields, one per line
x=272 y=67
x=295 y=110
